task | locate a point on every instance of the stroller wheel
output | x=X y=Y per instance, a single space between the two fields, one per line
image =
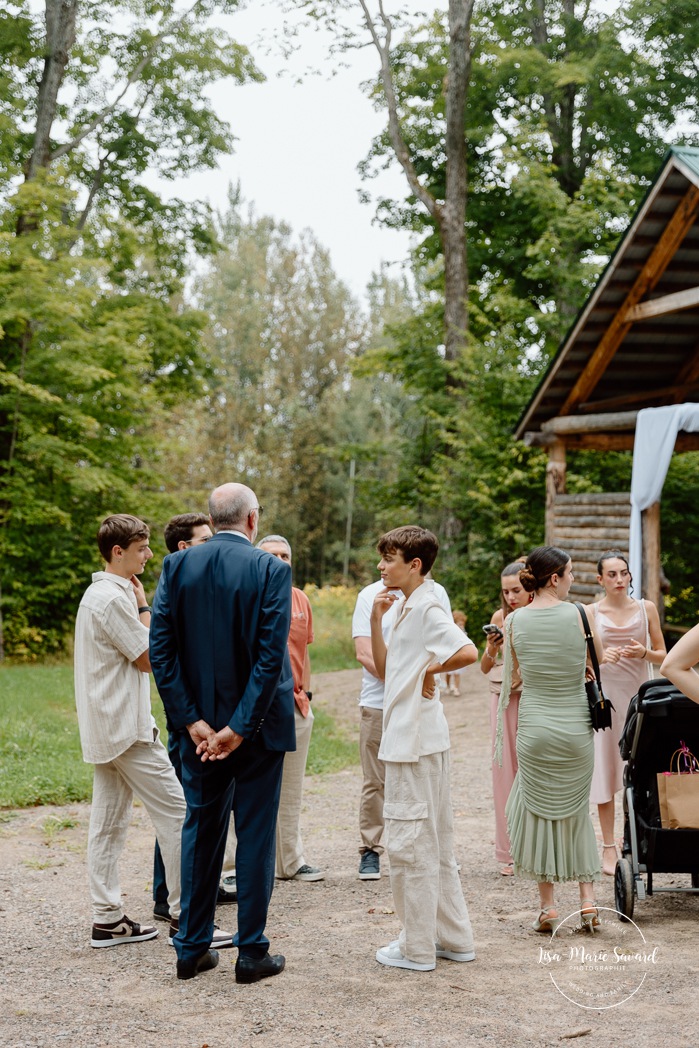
x=624 y=889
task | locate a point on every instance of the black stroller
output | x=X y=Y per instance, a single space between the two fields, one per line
x=658 y=718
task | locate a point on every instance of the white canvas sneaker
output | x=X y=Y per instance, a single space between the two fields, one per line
x=452 y=955
x=391 y=956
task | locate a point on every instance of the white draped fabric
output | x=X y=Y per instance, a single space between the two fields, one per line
x=656 y=433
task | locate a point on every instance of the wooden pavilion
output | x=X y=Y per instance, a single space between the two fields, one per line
x=634 y=345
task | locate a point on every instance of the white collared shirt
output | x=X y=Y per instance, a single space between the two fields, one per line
x=371 y=693
x=232 y=531
x=423 y=633
x=112 y=696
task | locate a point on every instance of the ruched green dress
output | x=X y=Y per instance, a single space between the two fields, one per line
x=548 y=816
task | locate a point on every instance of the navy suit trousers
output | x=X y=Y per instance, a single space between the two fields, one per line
x=248 y=783
x=160 y=889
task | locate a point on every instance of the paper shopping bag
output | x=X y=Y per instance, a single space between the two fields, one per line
x=678 y=792
x=682 y=793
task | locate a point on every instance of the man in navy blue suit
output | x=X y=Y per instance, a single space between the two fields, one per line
x=218 y=650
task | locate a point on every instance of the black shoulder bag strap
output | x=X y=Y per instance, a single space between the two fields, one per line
x=590 y=643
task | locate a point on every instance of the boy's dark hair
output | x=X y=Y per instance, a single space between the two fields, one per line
x=411 y=542
x=121 y=529
x=180 y=528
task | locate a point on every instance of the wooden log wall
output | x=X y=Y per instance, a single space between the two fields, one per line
x=586 y=525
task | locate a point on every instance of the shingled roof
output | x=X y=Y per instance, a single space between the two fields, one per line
x=635 y=342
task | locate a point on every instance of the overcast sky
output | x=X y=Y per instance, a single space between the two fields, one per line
x=298 y=145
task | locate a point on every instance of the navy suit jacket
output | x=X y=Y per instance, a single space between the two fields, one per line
x=218 y=640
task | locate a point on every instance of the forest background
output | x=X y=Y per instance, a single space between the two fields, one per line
x=128 y=385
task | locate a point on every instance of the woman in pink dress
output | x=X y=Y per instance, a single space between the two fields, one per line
x=630 y=634
x=514 y=596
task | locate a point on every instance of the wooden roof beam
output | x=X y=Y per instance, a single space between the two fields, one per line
x=660 y=307
x=606 y=423
x=650 y=274
x=603 y=441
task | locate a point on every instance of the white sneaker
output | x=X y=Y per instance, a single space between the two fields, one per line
x=451 y=955
x=220 y=940
x=121 y=931
x=391 y=956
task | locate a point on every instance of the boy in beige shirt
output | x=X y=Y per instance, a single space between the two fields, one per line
x=423 y=642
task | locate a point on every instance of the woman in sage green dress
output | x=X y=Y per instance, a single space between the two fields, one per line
x=548 y=817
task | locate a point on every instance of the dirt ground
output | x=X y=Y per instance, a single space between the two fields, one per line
x=56 y=990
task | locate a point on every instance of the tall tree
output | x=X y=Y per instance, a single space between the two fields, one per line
x=94 y=340
x=566 y=116
x=447 y=212
x=282 y=332
x=446 y=209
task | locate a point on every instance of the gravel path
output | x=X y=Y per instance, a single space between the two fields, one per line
x=56 y=990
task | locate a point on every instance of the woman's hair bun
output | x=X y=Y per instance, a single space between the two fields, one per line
x=528 y=579
x=542 y=563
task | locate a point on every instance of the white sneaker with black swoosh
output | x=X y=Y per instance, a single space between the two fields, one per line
x=122 y=931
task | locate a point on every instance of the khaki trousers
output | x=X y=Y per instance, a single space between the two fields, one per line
x=144 y=770
x=371 y=800
x=289 y=845
x=420 y=844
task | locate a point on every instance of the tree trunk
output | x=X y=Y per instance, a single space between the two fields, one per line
x=449 y=218
x=453 y=218
x=61 y=17
x=60 y=36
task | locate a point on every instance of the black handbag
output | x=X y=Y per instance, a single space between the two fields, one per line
x=600 y=707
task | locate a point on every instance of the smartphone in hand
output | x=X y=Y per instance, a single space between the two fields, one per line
x=491 y=630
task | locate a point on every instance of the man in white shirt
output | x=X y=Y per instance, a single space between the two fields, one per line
x=423 y=643
x=371 y=698
x=117 y=730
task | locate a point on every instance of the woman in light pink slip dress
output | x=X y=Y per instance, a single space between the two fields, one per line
x=514 y=596
x=630 y=634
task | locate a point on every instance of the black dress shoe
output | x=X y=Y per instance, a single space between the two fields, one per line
x=204 y=963
x=251 y=969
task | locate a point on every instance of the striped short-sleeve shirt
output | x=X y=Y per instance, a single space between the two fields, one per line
x=112 y=696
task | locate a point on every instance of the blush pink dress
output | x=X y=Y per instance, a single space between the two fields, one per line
x=503 y=776
x=620 y=682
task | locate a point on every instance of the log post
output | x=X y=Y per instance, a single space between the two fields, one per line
x=651 y=554
x=555 y=485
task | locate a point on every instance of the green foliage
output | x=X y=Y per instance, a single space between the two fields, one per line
x=283 y=330
x=568 y=111
x=679 y=535
x=116 y=395
x=333 y=647
x=96 y=347
x=566 y=120
x=85 y=373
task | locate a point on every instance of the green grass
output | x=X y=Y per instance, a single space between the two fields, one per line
x=333 y=647
x=330 y=750
x=40 y=757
